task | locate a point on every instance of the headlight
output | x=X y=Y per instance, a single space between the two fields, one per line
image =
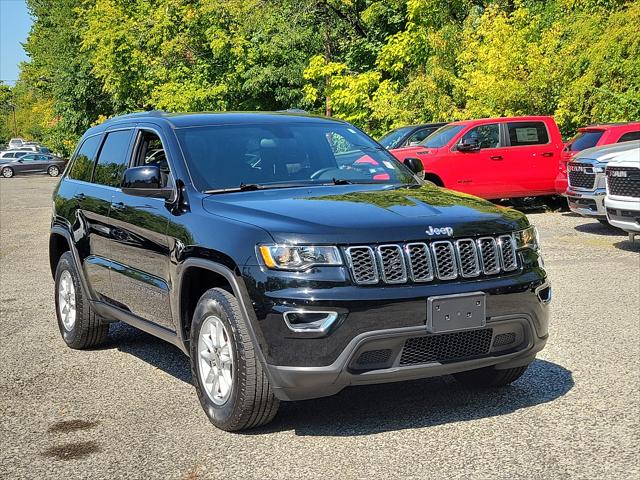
x=527 y=238
x=298 y=257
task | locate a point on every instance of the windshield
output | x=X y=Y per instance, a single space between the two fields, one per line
x=586 y=139
x=442 y=136
x=393 y=138
x=232 y=156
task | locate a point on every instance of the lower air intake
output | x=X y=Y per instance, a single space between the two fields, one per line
x=447 y=347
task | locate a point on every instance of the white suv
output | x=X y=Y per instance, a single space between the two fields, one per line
x=623 y=192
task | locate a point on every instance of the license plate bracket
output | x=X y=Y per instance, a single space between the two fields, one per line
x=464 y=311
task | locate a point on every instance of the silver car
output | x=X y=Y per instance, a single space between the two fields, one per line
x=31 y=163
x=587 y=182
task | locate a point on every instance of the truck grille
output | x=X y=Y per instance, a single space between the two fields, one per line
x=447 y=347
x=624 y=181
x=581 y=176
x=425 y=262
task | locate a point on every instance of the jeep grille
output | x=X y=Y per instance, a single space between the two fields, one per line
x=425 y=262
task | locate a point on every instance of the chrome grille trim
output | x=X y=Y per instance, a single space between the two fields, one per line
x=467 y=258
x=508 y=257
x=419 y=262
x=398 y=263
x=362 y=263
x=489 y=255
x=392 y=266
x=444 y=259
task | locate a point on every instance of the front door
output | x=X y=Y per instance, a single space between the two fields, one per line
x=139 y=248
x=480 y=172
x=30 y=163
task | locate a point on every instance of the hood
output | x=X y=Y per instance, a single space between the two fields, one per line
x=365 y=213
x=416 y=151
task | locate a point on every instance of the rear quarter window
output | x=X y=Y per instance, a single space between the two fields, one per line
x=527 y=133
x=586 y=139
x=82 y=166
x=629 y=136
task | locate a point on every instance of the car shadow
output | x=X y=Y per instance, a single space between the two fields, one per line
x=168 y=358
x=598 y=228
x=371 y=409
x=628 y=246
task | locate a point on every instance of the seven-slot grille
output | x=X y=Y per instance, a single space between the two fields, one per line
x=581 y=176
x=424 y=262
x=624 y=181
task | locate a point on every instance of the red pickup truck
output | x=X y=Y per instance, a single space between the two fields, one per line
x=493 y=157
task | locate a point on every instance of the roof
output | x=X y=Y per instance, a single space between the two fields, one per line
x=609 y=126
x=181 y=120
x=480 y=121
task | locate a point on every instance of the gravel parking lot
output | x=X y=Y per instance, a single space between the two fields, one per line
x=128 y=410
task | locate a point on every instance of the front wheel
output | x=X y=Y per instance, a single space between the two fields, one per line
x=7 y=172
x=53 y=171
x=231 y=384
x=490 y=377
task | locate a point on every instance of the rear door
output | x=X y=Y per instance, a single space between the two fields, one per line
x=532 y=158
x=139 y=247
x=94 y=204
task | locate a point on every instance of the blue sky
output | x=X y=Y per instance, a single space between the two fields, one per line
x=15 y=23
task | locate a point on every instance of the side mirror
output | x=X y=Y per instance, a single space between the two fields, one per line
x=469 y=145
x=145 y=182
x=415 y=165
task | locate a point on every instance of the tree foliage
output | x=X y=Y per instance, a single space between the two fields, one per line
x=376 y=63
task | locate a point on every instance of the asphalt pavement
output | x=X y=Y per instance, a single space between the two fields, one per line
x=128 y=409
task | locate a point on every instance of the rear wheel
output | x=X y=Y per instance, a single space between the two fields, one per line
x=7 y=172
x=79 y=325
x=53 y=171
x=490 y=377
x=231 y=384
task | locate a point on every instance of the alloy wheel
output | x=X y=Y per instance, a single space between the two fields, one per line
x=215 y=358
x=67 y=300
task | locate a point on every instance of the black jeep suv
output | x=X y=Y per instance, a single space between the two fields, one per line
x=289 y=256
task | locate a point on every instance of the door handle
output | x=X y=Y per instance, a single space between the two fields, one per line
x=118 y=206
x=547 y=154
x=496 y=157
x=79 y=196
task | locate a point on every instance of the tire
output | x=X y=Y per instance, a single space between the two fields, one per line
x=85 y=329
x=7 y=172
x=53 y=171
x=490 y=377
x=249 y=400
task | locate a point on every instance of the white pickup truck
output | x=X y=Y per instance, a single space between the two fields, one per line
x=622 y=201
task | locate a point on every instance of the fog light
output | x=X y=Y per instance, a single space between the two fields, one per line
x=315 y=321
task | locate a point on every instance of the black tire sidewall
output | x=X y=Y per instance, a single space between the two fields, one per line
x=71 y=337
x=212 y=304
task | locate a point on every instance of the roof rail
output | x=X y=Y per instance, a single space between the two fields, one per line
x=150 y=113
x=292 y=110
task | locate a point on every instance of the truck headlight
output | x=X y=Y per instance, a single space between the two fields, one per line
x=298 y=257
x=527 y=238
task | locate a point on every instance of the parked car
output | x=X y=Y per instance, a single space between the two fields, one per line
x=587 y=183
x=32 y=163
x=592 y=136
x=8 y=155
x=408 y=136
x=623 y=192
x=284 y=271
x=492 y=158
x=15 y=143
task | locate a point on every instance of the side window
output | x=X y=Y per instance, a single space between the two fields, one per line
x=113 y=158
x=627 y=137
x=419 y=135
x=10 y=155
x=487 y=135
x=527 y=133
x=150 y=151
x=29 y=158
x=82 y=167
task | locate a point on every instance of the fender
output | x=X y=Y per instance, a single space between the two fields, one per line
x=59 y=230
x=239 y=291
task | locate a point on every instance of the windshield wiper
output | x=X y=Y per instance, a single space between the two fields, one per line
x=248 y=187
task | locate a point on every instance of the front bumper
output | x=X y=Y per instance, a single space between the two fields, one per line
x=587 y=203
x=624 y=214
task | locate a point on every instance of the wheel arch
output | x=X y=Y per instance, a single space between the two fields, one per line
x=432 y=177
